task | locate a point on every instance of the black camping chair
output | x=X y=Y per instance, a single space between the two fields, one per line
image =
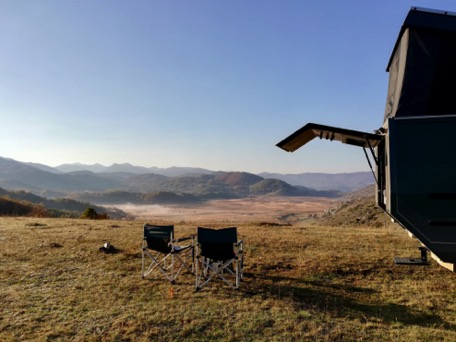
x=218 y=254
x=164 y=253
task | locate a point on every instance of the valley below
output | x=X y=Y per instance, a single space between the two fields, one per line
x=267 y=209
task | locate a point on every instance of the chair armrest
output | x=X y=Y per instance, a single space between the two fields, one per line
x=183 y=239
x=240 y=247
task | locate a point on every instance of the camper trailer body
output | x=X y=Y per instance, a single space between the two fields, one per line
x=414 y=150
x=417 y=181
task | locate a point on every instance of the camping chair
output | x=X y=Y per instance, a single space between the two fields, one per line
x=218 y=254
x=164 y=253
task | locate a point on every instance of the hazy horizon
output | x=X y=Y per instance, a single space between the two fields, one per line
x=177 y=166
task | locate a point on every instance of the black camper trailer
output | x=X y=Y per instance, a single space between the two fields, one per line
x=414 y=151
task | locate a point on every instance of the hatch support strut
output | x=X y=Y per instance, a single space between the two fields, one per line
x=368 y=159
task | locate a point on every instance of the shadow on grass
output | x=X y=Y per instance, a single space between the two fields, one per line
x=341 y=301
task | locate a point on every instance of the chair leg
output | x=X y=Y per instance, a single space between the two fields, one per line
x=197 y=274
x=214 y=270
x=156 y=263
x=182 y=259
x=172 y=267
x=193 y=260
x=238 y=273
x=142 y=268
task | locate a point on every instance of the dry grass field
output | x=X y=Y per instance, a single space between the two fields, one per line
x=302 y=282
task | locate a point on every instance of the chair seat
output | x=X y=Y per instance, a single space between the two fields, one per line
x=181 y=248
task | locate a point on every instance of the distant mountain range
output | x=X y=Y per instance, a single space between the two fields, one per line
x=344 y=182
x=128 y=168
x=108 y=184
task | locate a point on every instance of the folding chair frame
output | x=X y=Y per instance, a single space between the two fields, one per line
x=166 y=263
x=207 y=268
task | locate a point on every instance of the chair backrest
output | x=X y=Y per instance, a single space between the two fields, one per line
x=158 y=237
x=217 y=244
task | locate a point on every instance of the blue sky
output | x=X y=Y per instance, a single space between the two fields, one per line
x=212 y=84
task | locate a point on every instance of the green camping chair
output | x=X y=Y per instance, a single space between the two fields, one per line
x=218 y=254
x=164 y=253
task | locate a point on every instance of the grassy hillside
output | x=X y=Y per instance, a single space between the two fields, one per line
x=357 y=209
x=302 y=283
